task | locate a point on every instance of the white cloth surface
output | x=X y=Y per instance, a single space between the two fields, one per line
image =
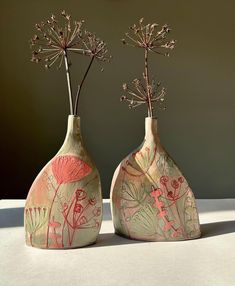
x=114 y=260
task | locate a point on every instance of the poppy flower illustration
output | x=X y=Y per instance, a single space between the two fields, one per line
x=80 y=195
x=68 y=168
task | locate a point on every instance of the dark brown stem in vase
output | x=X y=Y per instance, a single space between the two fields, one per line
x=80 y=86
x=68 y=82
x=146 y=73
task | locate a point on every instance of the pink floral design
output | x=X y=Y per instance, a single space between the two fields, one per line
x=80 y=195
x=181 y=180
x=175 y=184
x=68 y=168
x=164 y=180
x=162 y=213
x=140 y=162
x=92 y=201
x=78 y=208
x=83 y=220
x=79 y=214
x=97 y=211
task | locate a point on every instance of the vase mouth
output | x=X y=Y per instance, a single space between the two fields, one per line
x=73 y=116
x=151 y=118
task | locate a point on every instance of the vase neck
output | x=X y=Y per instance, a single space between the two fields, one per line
x=73 y=130
x=151 y=129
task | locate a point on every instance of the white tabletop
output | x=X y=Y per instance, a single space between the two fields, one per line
x=114 y=260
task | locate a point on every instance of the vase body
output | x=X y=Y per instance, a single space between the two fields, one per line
x=150 y=198
x=64 y=205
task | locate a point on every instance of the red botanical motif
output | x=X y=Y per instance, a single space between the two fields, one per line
x=83 y=220
x=175 y=184
x=68 y=168
x=156 y=192
x=79 y=214
x=140 y=162
x=97 y=212
x=92 y=201
x=53 y=235
x=54 y=224
x=80 y=194
x=162 y=212
x=78 y=208
x=181 y=180
x=164 y=180
x=172 y=188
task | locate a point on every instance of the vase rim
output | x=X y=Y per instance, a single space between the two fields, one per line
x=151 y=118
x=73 y=116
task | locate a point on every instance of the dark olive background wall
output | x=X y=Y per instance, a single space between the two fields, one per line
x=197 y=129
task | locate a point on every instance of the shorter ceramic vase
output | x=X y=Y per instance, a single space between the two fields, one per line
x=64 y=205
x=150 y=198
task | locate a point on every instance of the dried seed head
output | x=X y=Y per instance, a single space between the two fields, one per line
x=124 y=86
x=149 y=39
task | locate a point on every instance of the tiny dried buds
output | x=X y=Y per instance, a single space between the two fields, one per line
x=95 y=47
x=55 y=37
x=151 y=38
x=137 y=94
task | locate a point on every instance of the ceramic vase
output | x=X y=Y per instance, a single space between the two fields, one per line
x=150 y=198
x=64 y=205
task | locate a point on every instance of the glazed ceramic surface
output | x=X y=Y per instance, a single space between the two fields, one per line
x=151 y=199
x=64 y=205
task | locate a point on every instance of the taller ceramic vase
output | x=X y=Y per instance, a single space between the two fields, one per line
x=151 y=200
x=64 y=205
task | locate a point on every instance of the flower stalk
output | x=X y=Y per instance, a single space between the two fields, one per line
x=151 y=39
x=68 y=81
x=55 y=39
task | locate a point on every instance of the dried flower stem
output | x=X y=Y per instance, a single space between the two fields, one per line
x=80 y=86
x=149 y=103
x=55 y=39
x=68 y=82
x=151 y=39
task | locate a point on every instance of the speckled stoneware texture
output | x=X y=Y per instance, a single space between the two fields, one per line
x=64 y=205
x=150 y=198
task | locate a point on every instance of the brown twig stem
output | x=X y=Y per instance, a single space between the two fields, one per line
x=80 y=86
x=146 y=71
